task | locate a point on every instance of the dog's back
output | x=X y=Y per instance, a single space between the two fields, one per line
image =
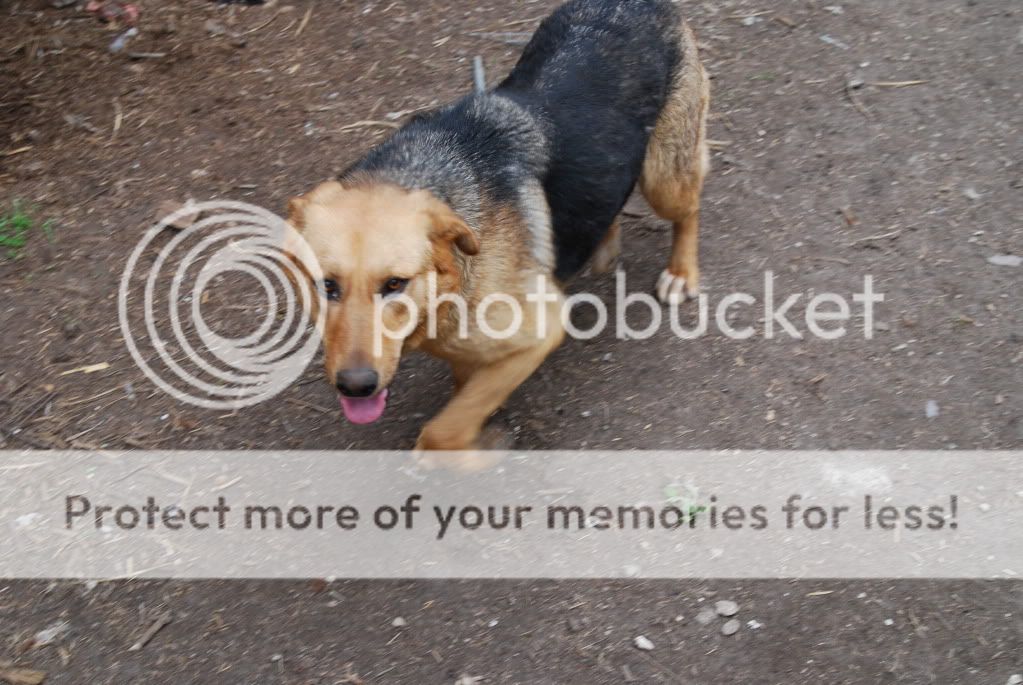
x=596 y=74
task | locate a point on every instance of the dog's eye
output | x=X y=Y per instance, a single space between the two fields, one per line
x=393 y=286
x=331 y=289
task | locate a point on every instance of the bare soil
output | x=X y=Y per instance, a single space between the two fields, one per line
x=881 y=139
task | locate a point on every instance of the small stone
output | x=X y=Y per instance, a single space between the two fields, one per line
x=726 y=608
x=399 y=622
x=971 y=193
x=889 y=622
x=51 y=634
x=60 y=353
x=642 y=643
x=706 y=617
x=1005 y=260
x=754 y=624
x=1015 y=679
x=932 y=410
x=214 y=27
x=731 y=627
x=184 y=214
x=576 y=625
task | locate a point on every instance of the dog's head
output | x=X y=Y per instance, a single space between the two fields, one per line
x=376 y=245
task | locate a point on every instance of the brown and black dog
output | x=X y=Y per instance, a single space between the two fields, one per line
x=492 y=194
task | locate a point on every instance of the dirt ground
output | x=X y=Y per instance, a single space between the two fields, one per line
x=860 y=138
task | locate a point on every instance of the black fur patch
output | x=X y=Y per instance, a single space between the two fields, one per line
x=589 y=88
x=599 y=71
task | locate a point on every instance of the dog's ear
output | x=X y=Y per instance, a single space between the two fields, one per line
x=297 y=206
x=450 y=228
x=301 y=269
x=296 y=212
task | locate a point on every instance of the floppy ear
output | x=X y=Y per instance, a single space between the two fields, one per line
x=303 y=268
x=449 y=227
x=296 y=212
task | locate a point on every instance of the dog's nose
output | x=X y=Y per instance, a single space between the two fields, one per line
x=357 y=382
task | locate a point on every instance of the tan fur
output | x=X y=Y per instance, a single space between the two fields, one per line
x=367 y=233
x=676 y=163
x=608 y=251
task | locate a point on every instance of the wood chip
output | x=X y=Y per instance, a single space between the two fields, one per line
x=91 y=368
x=21 y=676
x=159 y=624
x=895 y=84
x=305 y=20
x=368 y=124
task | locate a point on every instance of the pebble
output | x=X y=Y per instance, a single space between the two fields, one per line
x=184 y=214
x=754 y=624
x=726 y=608
x=706 y=617
x=399 y=622
x=932 y=409
x=51 y=634
x=214 y=27
x=971 y=193
x=643 y=643
x=834 y=41
x=1005 y=260
x=731 y=627
x=1015 y=679
x=576 y=625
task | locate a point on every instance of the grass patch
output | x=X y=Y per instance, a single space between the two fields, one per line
x=16 y=226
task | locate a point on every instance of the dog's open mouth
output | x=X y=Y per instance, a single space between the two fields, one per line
x=363 y=410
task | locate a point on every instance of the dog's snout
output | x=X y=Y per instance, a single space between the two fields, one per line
x=357 y=382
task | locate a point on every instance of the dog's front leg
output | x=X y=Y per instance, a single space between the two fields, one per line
x=482 y=392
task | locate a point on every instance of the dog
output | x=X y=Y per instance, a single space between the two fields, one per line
x=493 y=193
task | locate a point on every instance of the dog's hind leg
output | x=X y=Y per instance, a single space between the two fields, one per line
x=677 y=161
x=608 y=251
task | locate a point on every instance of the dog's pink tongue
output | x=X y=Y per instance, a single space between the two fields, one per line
x=363 y=410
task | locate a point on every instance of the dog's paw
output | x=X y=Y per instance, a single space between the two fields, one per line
x=673 y=290
x=432 y=451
